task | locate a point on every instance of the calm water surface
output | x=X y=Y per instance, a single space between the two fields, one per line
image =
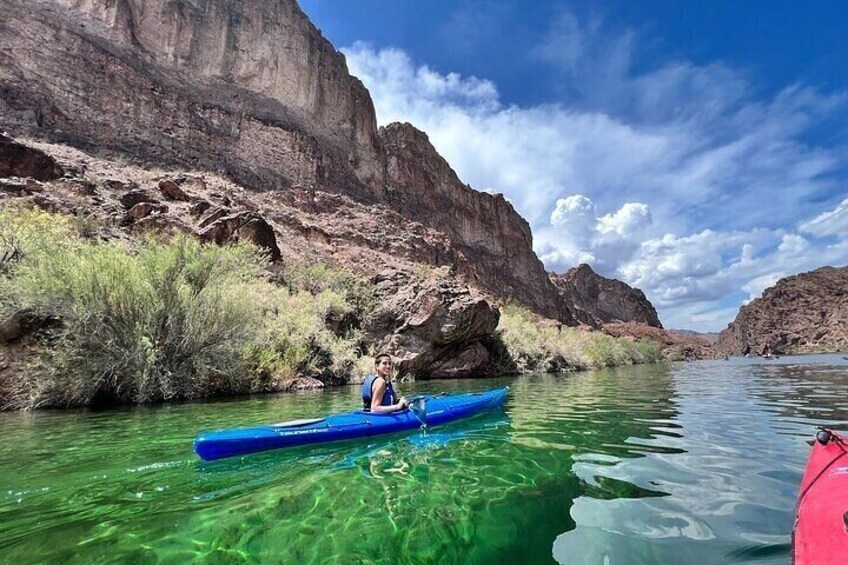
x=685 y=463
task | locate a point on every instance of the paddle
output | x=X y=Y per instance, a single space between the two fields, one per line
x=417 y=405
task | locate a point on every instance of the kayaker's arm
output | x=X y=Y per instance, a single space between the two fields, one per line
x=377 y=399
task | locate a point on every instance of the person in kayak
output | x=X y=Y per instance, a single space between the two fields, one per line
x=377 y=392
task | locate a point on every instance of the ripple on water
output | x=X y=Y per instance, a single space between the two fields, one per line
x=689 y=463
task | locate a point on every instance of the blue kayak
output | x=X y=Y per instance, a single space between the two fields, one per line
x=426 y=410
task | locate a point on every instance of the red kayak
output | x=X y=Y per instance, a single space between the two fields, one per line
x=821 y=519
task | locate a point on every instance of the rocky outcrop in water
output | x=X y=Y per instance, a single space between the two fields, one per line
x=803 y=313
x=595 y=300
x=432 y=325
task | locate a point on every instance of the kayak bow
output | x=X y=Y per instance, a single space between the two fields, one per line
x=437 y=409
x=821 y=519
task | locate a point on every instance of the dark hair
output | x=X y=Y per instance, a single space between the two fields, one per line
x=380 y=356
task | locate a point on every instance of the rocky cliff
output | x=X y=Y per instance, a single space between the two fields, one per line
x=250 y=89
x=803 y=313
x=253 y=91
x=483 y=227
x=596 y=300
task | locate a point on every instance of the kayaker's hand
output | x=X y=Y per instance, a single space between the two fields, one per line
x=402 y=402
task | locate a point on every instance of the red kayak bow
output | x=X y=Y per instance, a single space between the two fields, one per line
x=821 y=519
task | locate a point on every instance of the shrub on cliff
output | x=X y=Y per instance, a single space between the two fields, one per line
x=296 y=341
x=159 y=321
x=532 y=346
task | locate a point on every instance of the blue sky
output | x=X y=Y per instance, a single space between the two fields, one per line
x=696 y=150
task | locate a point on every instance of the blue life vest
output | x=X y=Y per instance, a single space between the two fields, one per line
x=368 y=385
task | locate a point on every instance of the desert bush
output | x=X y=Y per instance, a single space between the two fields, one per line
x=533 y=347
x=172 y=319
x=295 y=339
x=168 y=321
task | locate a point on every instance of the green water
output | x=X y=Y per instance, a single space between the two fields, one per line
x=686 y=463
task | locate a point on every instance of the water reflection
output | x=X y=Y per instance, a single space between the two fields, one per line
x=731 y=495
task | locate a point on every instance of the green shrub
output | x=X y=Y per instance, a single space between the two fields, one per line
x=534 y=347
x=295 y=339
x=172 y=320
x=168 y=321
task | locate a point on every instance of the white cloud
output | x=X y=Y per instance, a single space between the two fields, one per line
x=678 y=180
x=578 y=235
x=793 y=244
x=834 y=222
x=629 y=221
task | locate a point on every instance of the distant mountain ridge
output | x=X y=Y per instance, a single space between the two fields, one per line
x=709 y=337
x=803 y=313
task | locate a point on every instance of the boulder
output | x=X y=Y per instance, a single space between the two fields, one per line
x=462 y=363
x=304 y=383
x=24 y=323
x=19 y=160
x=433 y=326
x=248 y=226
x=144 y=209
x=198 y=207
x=172 y=191
x=134 y=197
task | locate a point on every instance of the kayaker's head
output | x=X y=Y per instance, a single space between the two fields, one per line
x=383 y=365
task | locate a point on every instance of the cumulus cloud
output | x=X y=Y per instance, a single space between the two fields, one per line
x=679 y=179
x=577 y=234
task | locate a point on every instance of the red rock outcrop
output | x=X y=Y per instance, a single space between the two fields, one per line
x=803 y=313
x=596 y=300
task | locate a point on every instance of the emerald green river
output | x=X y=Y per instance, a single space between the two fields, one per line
x=681 y=463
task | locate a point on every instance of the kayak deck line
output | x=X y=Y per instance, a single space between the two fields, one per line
x=438 y=409
x=297 y=423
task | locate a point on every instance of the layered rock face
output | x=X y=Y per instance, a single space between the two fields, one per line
x=803 y=313
x=596 y=300
x=429 y=319
x=484 y=227
x=251 y=90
